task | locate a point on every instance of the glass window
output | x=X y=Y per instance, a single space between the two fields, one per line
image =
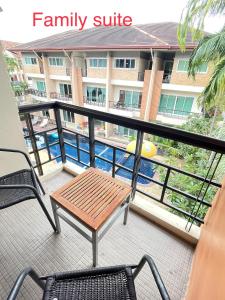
x=41 y=86
x=96 y=94
x=30 y=60
x=126 y=63
x=55 y=61
x=176 y=105
x=130 y=99
x=68 y=116
x=98 y=62
x=182 y=65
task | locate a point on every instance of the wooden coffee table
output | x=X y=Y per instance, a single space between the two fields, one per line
x=94 y=199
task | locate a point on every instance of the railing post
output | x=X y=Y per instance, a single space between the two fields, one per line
x=91 y=128
x=78 y=147
x=165 y=184
x=33 y=143
x=137 y=160
x=60 y=133
x=114 y=162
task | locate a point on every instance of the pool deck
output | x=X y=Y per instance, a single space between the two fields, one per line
x=28 y=240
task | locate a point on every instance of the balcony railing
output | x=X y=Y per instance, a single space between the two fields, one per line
x=35 y=93
x=97 y=102
x=124 y=106
x=58 y=96
x=176 y=113
x=81 y=146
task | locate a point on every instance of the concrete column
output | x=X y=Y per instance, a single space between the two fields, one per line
x=48 y=82
x=109 y=92
x=11 y=135
x=77 y=64
x=155 y=68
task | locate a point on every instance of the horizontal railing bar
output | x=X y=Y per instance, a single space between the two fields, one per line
x=29 y=108
x=45 y=147
x=47 y=161
x=75 y=159
x=40 y=132
x=75 y=147
x=75 y=132
x=147 y=195
x=103 y=158
x=191 y=197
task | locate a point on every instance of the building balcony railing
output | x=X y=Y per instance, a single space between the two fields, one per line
x=124 y=106
x=58 y=96
x=175 y=113
x=35 y=93
x=97 y=102
x=64 y=144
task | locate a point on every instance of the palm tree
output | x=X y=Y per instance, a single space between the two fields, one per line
x=210 y=49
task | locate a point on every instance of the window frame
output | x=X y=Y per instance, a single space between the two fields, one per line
x=173 y=111
x=90 y=99
x=132 y=95
x=125 y=59
x=30 y=58
x=55 y=58
x=198 y=72
x=98 y=66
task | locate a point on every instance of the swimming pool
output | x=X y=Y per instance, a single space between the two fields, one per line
x=101 y=150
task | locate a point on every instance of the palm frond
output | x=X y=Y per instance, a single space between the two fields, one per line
x=210 y=49
x=193 y=18
x=214 y=94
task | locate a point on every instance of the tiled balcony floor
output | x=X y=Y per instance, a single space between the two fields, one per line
x=28 y=240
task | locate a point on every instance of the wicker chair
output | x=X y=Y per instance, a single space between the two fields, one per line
x=20 y=186
x=110 y=283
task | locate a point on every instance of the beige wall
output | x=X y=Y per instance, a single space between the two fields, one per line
x=125 y=74
x=31 y=69
x=177 y=77
x=11 y=135
x=53 y=70
x=96 y=72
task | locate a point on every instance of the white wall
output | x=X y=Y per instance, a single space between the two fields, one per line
x=11 y=135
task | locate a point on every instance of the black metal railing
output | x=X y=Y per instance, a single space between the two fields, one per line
x=96 y=102
x=58 y=96
x=204 y=142
x=124 y=106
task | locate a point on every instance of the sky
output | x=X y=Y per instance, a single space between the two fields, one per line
x=17 y=15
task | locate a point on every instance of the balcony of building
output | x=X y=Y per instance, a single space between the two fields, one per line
x=59 y=152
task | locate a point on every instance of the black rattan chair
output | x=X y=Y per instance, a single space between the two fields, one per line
x=111 y=283
x=21 y=185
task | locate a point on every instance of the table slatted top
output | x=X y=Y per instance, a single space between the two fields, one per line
x=92 y=197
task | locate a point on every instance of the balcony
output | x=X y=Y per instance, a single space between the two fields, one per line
x=95 y=102
x=60 y=97
x=67 y=151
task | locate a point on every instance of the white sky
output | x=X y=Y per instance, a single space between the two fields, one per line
x=16 y=18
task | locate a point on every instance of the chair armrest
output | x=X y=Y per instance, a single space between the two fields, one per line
x=19 y=186
x=20 y=279
x=17 y=151
x=162 y=289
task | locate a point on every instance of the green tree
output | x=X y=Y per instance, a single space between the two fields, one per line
x=210 y=49
x=12 y=63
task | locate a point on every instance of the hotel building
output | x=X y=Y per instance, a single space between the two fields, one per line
x=136 y=71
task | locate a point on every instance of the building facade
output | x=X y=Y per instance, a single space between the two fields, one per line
x=137 y=72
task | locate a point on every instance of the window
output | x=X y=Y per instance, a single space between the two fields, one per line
x=124 y=131
x=130 y=99
x=176 y=105
x=183 y=66
x=96 y=94
x=30 y=60
x=65 y=90
x=55 y=61
x=41 y=86
x=125 y=63
x=68 y=116
x=97 y=62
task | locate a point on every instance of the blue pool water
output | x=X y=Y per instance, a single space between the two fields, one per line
x=104 y=151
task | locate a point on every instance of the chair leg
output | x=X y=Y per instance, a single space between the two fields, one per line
x=41 y=186
x=56 y=217
x=126 y=211
x=46 y=213
x=95 y=248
